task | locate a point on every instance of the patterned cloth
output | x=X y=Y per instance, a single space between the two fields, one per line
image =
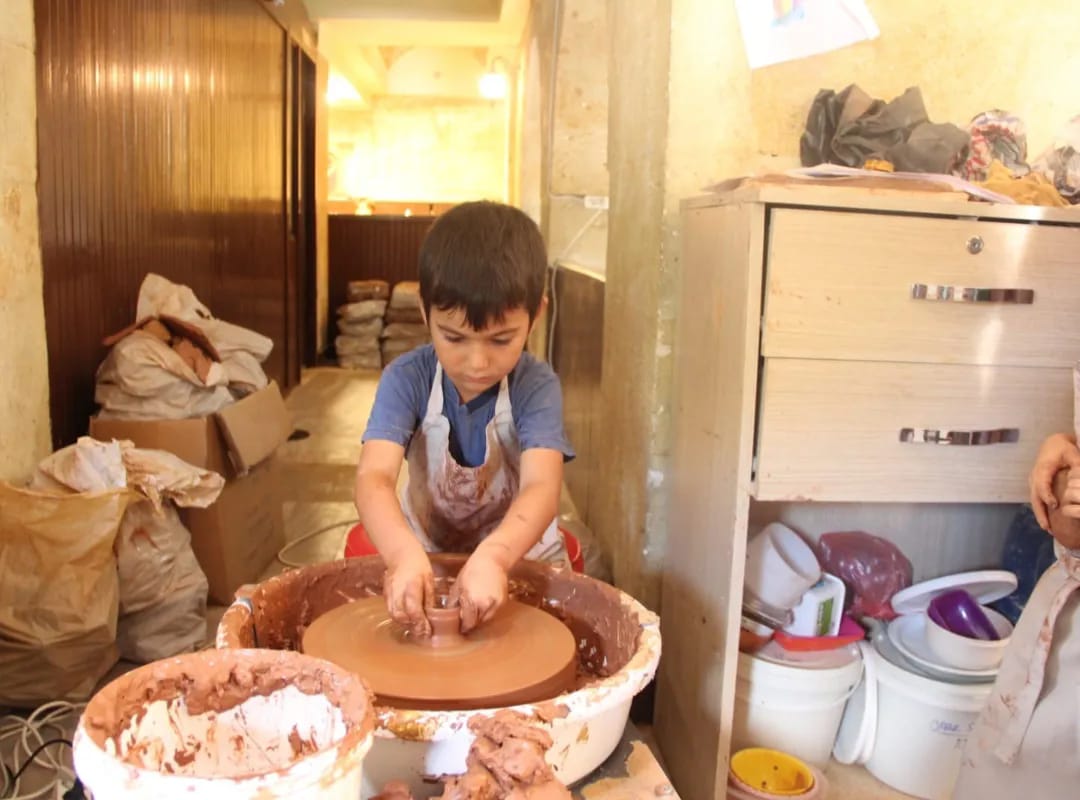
x=996 y=135
x=1061 y=162
x=1026 y=743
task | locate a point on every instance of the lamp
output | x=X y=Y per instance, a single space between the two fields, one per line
x=494 y=84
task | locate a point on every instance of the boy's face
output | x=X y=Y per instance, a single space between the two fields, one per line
x=476 y=360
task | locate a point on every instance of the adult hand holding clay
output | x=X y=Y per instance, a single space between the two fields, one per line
x=1024 y=742
x=1058 y=452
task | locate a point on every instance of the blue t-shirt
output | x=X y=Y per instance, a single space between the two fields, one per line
x=402 y=397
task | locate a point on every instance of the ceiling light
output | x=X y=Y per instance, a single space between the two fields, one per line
x=494 y=83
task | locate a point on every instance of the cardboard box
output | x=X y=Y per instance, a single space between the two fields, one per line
x=230 y=442
x=239 y=535
x=242 y=532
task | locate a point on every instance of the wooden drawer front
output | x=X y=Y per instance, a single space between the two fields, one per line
x=839 y=285
x=830 y=430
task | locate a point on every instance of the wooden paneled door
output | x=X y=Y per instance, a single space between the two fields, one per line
x=163 y=133
x=300 y=312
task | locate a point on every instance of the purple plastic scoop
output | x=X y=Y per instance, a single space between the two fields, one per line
x=959 y=612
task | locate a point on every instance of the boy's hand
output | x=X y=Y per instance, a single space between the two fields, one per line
x=480 y=589
x=409 y=588
x=1057 y=453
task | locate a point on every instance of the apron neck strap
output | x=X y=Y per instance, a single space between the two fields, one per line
x=502 y=402
x=435 y=398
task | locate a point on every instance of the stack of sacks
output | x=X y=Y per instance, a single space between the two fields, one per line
x=360 y=323
x=177 y=361
x=162 y=602
x=405 y=328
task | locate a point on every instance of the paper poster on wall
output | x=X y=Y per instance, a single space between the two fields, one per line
x=784 y=30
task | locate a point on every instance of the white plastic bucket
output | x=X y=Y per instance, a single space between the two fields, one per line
x=793 y=708
x=922 y=727
x=780 y=566
x=227 y=725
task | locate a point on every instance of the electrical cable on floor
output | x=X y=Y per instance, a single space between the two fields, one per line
x=37 y=751
x=32 y=747
x=311 y=535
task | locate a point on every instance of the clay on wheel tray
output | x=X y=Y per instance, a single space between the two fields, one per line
x=522 y=655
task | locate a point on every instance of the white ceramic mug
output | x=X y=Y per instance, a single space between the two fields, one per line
x=780 y=566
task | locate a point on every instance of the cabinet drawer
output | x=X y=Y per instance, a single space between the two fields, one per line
x=839 y=285
x=830 y=430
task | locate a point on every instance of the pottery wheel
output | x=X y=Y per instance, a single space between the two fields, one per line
x=522 y=655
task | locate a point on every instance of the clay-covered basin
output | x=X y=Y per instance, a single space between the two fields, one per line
x=618 y=643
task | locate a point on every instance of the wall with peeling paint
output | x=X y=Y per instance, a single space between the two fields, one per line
x=570 y=38
x=24 y=392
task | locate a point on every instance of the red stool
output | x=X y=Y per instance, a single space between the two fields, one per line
x=357 y=543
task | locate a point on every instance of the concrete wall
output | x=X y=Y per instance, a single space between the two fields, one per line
x=24 y=392
x=579 y=163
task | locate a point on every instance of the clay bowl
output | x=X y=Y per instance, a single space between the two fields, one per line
x=618 y=643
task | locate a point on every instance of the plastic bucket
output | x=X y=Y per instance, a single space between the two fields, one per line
x=780 y=566
x=792 y=708
x=227 y=724
x=922 y=727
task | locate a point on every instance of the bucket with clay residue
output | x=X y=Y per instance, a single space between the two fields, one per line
x=228 y=724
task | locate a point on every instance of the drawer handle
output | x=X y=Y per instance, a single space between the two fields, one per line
x=966 y=294
x=930 y=436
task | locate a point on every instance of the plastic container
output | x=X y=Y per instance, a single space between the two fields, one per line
x=962 y=652
x=848 y=633
x=909 y=730
x=227 y=725
x=959 y=612
x=771 y=772
x=795 y=708
x=820 y=610
x=780 y=566
x=412 y=745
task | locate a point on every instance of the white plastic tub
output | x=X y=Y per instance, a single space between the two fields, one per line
x=418 y=746
x=793 y=708
x=918 y=730
x=227 y=725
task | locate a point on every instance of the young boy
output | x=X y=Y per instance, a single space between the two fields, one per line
x=478 y=420
x=1027 y=740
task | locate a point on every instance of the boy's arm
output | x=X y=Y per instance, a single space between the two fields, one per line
x=409 y=584
x=482 y=583
x=1058 y=452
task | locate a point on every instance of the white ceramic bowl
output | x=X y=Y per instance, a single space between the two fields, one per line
x=960 y=652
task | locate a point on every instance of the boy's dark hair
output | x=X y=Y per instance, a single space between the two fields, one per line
x=486 y=258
